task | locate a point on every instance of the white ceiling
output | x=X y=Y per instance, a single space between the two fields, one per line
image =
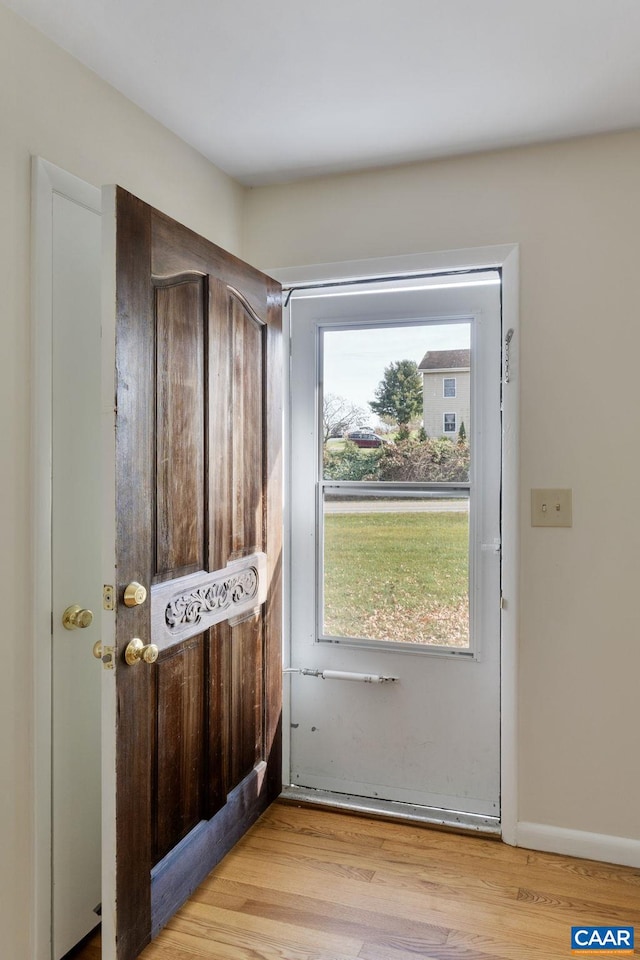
x=274 y=90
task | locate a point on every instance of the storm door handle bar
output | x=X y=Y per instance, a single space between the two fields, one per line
x=341 y=675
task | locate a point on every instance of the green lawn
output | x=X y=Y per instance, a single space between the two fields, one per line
x=401 y=577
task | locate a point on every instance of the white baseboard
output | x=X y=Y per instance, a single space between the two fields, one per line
x=579 y=843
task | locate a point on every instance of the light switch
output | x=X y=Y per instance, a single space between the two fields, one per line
x=551 y=508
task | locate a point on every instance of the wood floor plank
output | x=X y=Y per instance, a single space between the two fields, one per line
x=311 y=884
x=586 y=869
x=206 y=920
x=470 y=914
x=566 y=876
x=469 y=917
x=573 y=876
x=322 y=915
x=260 y=863
x=441 y=874
x=399 y=950
x=314 y=841
x=230 y=943
x=593 y=912
x=354 y=828
x=310 y=822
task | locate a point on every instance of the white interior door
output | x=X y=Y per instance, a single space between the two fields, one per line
x=76 y=565
x=398 y=577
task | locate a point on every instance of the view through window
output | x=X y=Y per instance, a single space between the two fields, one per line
x=395 y=483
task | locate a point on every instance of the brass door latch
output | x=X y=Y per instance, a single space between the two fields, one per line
x=103 y=653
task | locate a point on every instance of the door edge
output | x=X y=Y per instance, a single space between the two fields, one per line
x=173 y=880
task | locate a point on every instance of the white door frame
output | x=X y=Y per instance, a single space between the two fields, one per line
x=47 y=181
x=505 y=258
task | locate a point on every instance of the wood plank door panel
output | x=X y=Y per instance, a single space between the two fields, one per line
x=180 y=306
x=198 y=501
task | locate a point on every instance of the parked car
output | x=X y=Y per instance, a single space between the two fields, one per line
x=365 y=438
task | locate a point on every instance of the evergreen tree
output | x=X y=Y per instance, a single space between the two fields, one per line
x=399 y=393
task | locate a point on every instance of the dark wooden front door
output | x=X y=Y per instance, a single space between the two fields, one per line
x=198 y=501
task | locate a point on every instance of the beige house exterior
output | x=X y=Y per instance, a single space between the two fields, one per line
x=446 y=390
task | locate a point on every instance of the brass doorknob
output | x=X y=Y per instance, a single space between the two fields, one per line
x=134 y=594
x=76 y=617
x=137 y=651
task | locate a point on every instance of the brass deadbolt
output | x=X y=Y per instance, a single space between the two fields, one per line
x=134 y=594
x=137 y=651
x=76 y=617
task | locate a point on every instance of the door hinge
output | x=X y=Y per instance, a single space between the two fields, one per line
x=507 y=354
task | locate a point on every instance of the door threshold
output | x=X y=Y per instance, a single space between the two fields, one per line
x=394 y=810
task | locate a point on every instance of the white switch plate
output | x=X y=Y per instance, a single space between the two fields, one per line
x=551 y=508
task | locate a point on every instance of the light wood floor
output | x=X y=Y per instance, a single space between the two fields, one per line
x=308 y=884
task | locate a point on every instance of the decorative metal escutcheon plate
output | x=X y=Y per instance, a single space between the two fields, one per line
x=186 y=607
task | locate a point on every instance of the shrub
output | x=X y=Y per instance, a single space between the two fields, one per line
x=351 y=463
x=437 y=460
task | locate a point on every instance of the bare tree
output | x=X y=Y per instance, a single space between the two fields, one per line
x=339 y=415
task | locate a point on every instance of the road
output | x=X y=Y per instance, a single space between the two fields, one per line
x=396 y=506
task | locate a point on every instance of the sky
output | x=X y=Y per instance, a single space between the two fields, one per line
x=354 y=360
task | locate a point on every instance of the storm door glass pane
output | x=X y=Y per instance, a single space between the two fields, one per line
x=383 y=415
x=396 y=569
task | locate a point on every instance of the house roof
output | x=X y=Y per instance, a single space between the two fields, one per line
x=446 y=360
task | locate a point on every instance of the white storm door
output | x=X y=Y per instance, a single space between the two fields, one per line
x=395 y=547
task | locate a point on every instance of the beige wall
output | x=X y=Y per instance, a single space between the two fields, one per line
x=574 y=208
x=52 y=106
